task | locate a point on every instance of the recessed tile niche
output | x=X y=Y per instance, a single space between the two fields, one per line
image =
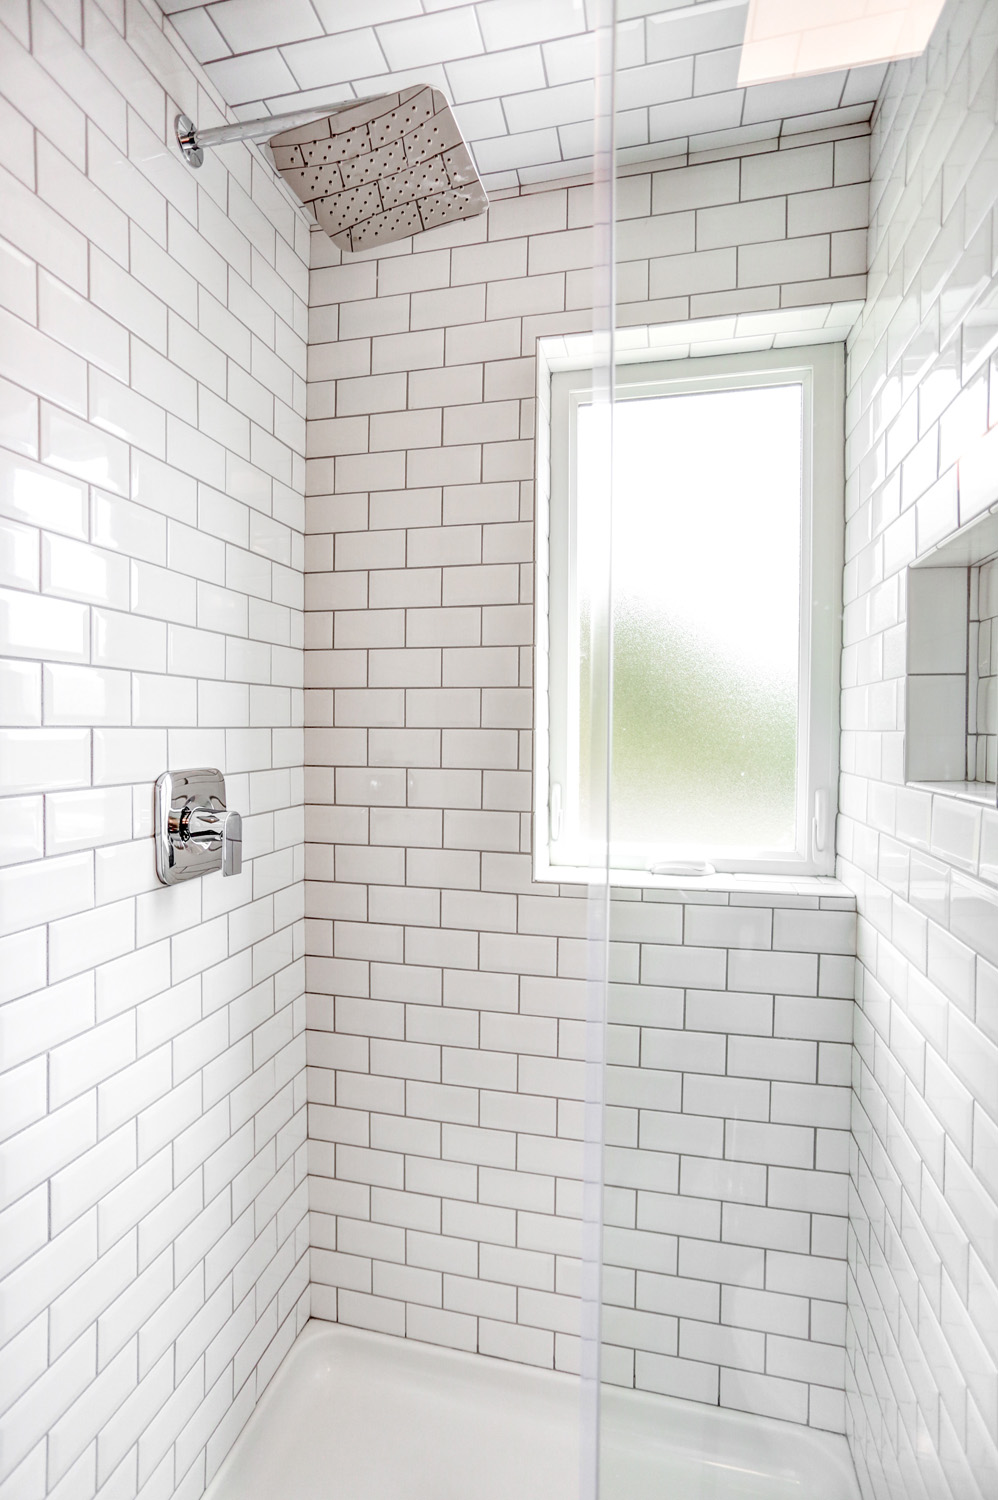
x=951 y=732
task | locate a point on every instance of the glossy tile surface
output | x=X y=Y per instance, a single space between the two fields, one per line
x=153 y=1266
x=922 y=1340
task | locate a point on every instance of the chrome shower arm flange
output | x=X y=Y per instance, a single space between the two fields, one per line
x=187 y=140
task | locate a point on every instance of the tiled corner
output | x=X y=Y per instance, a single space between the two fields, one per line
x=922 y=1290
x=446 y=989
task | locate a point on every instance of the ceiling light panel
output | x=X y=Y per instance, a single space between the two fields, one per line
x=787 y=39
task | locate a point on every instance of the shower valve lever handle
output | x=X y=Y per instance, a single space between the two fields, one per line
x=206 y=824
x=232 y=844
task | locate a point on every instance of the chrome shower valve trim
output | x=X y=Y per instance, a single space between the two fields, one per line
x=196 y=833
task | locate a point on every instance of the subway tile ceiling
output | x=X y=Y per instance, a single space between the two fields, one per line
x=519 y=72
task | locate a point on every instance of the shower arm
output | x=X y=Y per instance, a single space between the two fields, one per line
x=193 y=142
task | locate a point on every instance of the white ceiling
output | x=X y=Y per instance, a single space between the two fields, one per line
x=519 y=72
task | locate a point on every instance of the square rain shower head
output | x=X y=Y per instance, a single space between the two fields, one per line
x=389 y=168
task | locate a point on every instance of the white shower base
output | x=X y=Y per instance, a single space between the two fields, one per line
x=360 y=1416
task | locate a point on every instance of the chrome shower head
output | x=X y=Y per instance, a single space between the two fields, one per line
x=368 y=170
x=387 y=169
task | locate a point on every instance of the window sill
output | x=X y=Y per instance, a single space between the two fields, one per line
x=722 y=883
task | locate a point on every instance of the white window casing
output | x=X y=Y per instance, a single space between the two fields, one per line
x=561 y=850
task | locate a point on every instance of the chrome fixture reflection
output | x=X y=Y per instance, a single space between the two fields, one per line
x=195 y=832
x=368 y=170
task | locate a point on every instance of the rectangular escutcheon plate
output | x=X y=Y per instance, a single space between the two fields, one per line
x=190 y=819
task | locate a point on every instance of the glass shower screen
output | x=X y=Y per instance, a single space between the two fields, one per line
x=689 y=1305
x=594 y=689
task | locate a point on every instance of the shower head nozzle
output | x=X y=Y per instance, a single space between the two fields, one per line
x=368 y=170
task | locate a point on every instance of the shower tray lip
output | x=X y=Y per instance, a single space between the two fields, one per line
x=543 y=1404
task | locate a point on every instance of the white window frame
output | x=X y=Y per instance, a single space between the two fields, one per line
x=560 y=853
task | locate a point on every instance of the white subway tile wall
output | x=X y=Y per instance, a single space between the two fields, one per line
x=154 y=1230
x=151 y=478
x=923 y=388
x=728 y=1093
x=446 y=1004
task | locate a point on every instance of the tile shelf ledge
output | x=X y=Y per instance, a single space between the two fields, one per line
x=980 y=793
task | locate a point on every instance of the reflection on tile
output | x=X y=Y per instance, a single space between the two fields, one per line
x=18 y=419
x=989 y=847
x=38 y=760
x=22 y=830
x=76 y=571
x=77 y=448
x=31 y=492
x=18 y=555
x=20 y=693
x=52 y=629
x=86 y=695
x=79 y=325
x=974 y=914
x=82 y=820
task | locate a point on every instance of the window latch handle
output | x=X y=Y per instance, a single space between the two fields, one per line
x=819 y=822
x=694 y=868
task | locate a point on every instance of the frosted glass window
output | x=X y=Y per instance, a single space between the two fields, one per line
x=706 y=615
x=722 y=516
